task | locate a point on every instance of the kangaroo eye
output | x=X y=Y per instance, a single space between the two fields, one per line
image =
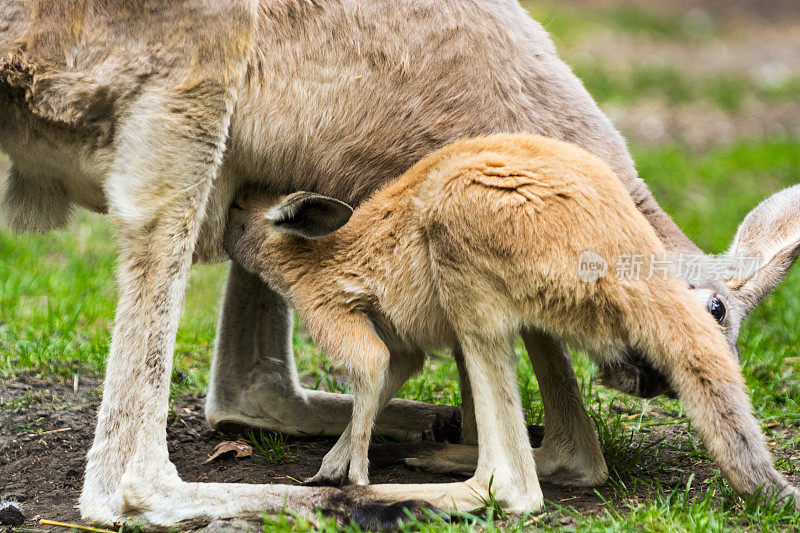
x=717 y=309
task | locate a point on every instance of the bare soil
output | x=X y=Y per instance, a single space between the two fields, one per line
x=46 y=428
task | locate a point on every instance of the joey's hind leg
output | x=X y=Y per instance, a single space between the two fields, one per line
x=254 y=379
x=334 y=469
x=505 y=460
x=570 y=453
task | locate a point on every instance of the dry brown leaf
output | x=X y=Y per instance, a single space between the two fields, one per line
x=240 y=448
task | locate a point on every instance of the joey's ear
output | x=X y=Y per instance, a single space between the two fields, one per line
x=770 y=232
x=309 y=215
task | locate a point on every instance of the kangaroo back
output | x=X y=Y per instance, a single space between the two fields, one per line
x=510 y=215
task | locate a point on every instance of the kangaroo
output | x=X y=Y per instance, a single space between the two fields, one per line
x=157 y=114
x=475 y=243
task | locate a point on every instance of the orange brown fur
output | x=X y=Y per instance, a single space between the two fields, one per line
x=473 y=244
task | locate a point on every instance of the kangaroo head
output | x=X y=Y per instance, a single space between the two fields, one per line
x=729 y=286
x=257 y=218
x=308 y=215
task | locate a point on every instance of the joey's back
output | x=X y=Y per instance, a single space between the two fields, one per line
x=505 y=219
x=528 y=199
x=497 y=220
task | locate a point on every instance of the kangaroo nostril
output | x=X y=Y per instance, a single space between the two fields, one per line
x=235 y=205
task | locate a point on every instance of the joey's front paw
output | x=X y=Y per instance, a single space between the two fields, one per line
x=320 y=480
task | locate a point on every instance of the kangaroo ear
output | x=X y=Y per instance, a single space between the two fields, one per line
x=309 y=215
x=769 y=237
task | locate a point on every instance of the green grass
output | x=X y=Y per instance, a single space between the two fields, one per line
x=709 y=194
x=268 y=445
x=57 y=298
x=671 y=84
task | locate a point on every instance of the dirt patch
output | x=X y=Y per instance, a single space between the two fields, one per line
x=702 y=126
x=47 y=428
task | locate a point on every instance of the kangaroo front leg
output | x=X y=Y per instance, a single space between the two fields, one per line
x=165 y=169
x=334 y=469
x=254 y=379
x=570 y=453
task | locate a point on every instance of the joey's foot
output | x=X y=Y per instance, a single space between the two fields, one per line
x=554 y=464
x=513 y=493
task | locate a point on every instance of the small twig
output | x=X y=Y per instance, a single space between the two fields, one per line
x=74 y=526
x=53 y=431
